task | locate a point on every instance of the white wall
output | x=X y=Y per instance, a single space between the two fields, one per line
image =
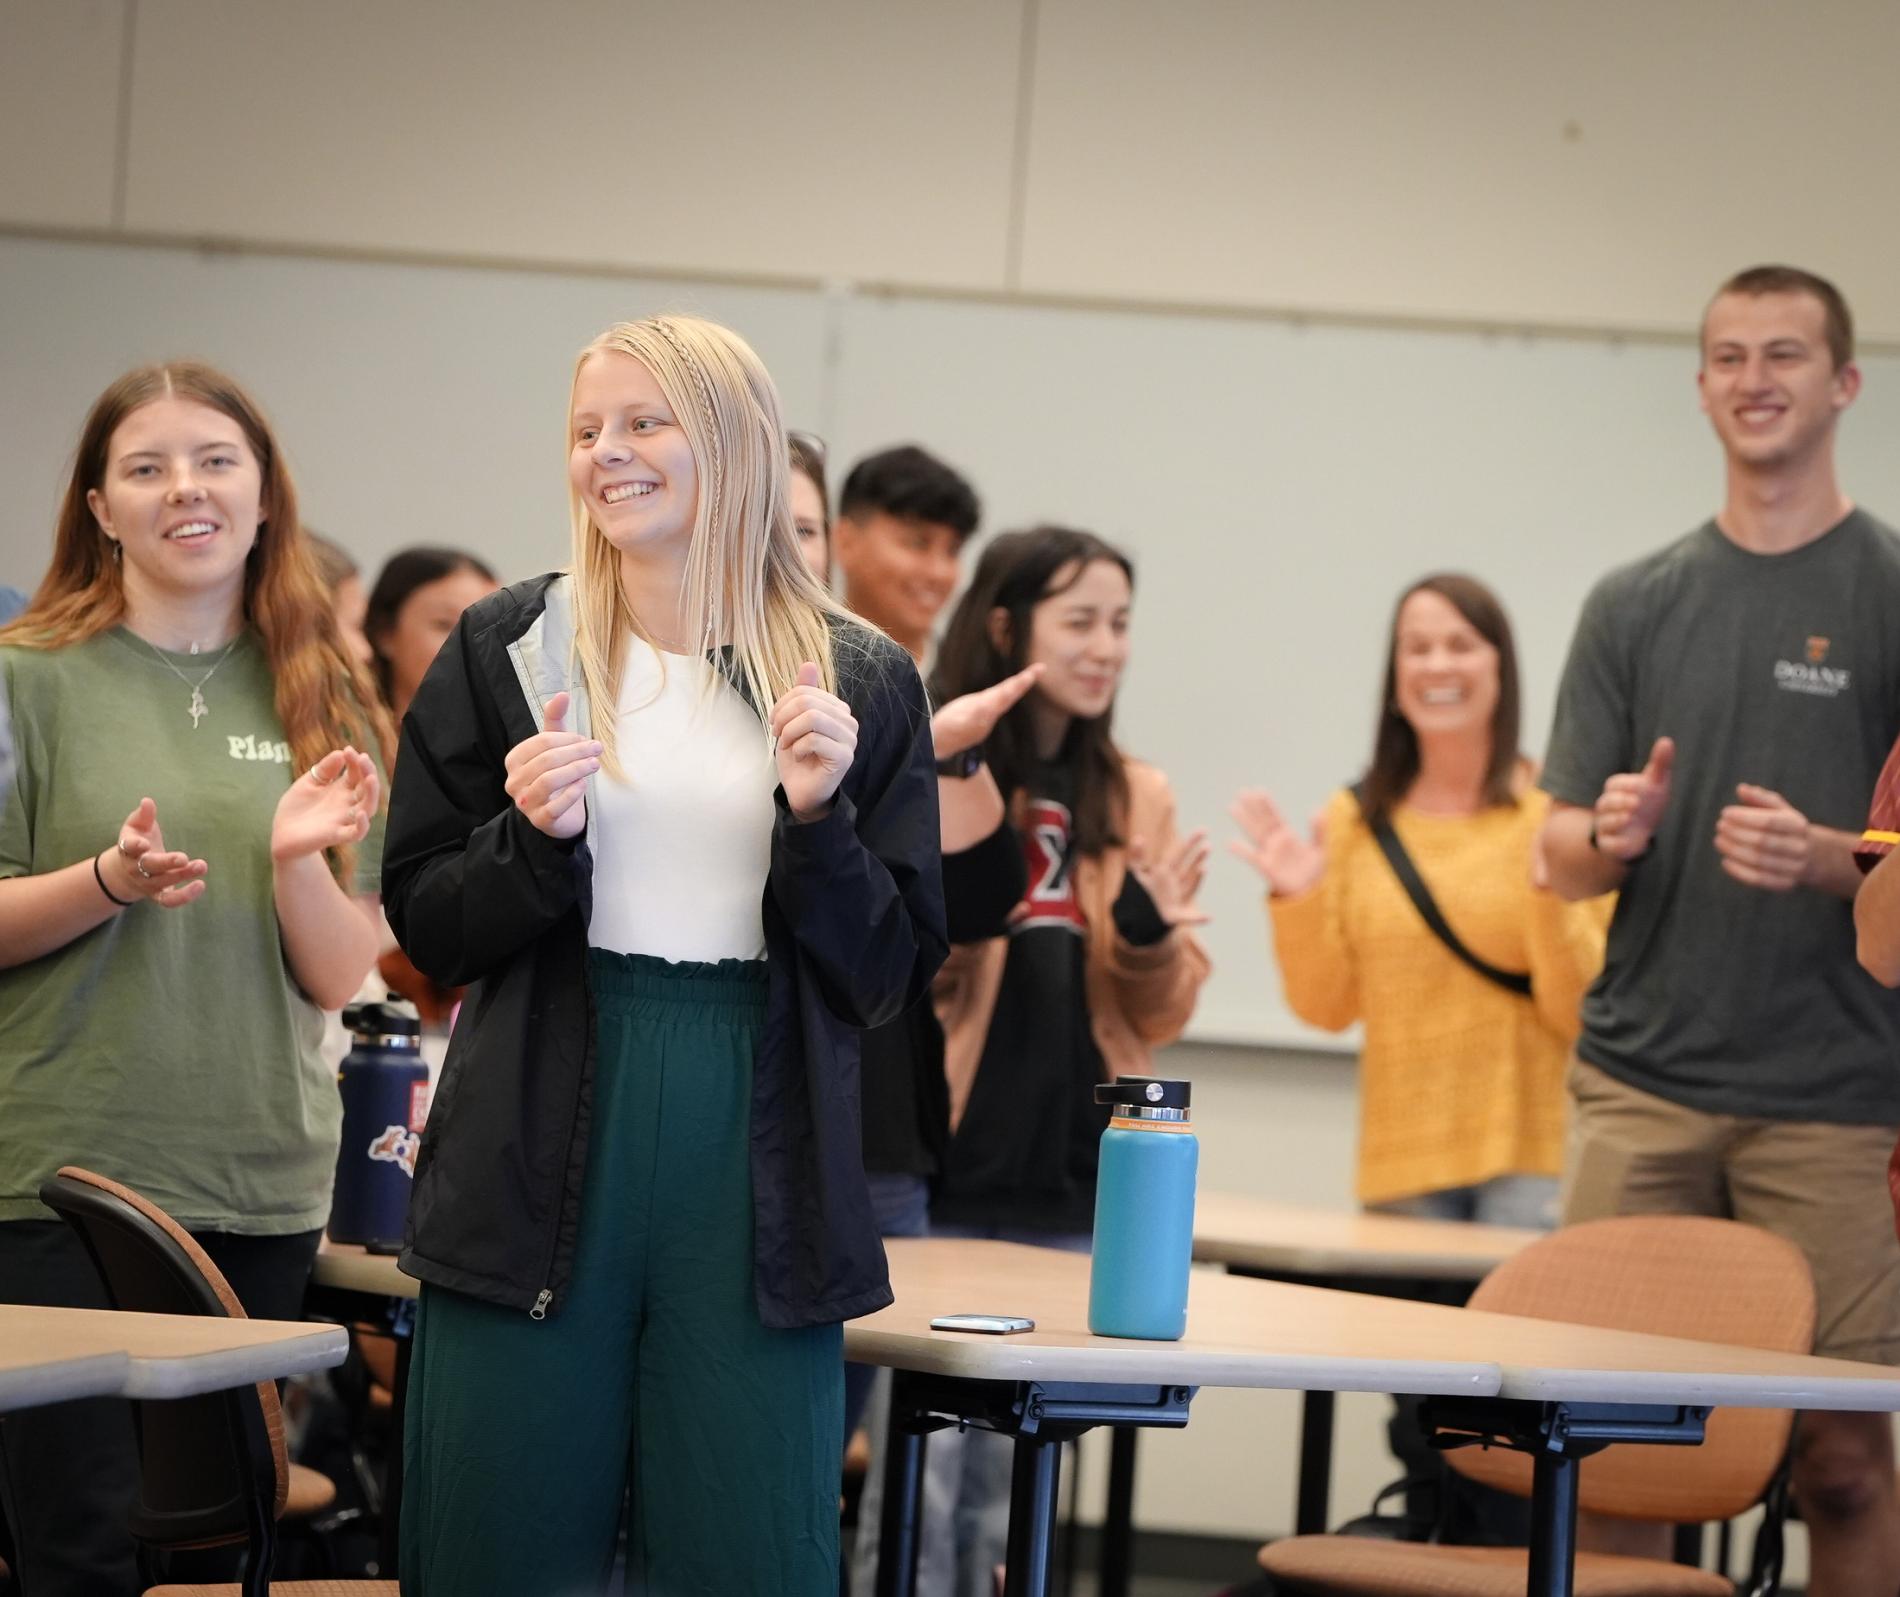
x=1586 y=164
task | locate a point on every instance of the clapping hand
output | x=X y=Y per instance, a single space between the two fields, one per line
x=1631 y=805
x=547 y=773
x=329 y=806
x=1764 y=840
x=816 y=738
x=965 y=722
x=1291 y=864
x=144 y=868
x=1174 y=878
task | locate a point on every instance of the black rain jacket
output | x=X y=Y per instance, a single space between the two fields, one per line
x=854 y=931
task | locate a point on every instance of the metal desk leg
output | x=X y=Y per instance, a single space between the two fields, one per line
x=1032 y=1515
x=1553 y=1525
x=1315 y=1488
x=897 y=1531
x=1118 y=1520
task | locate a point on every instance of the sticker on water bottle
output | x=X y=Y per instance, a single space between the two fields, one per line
x=396 y=1145
x=418 y=1105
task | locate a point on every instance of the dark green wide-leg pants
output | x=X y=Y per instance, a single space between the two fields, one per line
x=653 y=1372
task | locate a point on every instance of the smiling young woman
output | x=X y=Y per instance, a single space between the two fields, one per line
x=198 y=778
x=1073 y=913
x=676 y=811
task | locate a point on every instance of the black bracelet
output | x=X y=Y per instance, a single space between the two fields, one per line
x=1634 y=859
x=99 y=876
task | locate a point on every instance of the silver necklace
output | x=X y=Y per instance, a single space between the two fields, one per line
x=198 y=708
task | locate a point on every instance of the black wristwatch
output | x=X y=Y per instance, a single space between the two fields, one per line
x=962 y=765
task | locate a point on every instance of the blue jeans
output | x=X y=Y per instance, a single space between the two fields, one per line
x=1528 y=1202
x=902 y=1207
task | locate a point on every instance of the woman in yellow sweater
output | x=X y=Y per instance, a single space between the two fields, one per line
x=1461 y=1077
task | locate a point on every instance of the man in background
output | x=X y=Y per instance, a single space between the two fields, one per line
x=1720 y=726
x=903 y=519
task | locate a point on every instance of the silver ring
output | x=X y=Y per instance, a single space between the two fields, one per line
x=125 y=848
x=321 y=781
x=139 y=866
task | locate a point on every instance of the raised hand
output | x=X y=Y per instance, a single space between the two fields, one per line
x=817 y=738
x=1291 y=864
x=547 y=773
x=142 y=867
x=1173 y=879
x=964 y=723
x=329 y=806
x=1764 y=840
x=1631 y=805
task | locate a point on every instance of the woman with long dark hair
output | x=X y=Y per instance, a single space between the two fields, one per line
x=1461 y=1101
x=1085 y=960
x=419 y=595
x=182 y=858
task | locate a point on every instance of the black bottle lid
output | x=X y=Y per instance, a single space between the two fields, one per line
x=1135 y=1095
x=394 y=1017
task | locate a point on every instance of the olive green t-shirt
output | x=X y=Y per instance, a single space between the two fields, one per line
x=167 y=1048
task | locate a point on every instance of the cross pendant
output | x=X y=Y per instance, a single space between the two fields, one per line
x=198 y=708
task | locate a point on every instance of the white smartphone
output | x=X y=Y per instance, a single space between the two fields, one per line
x=994 y=1324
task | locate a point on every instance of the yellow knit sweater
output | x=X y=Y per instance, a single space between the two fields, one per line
x=1460 y=1080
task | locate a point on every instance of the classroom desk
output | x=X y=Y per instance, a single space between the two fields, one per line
x=1347 y=1249
x=52 y=1355
x=1560 y=1391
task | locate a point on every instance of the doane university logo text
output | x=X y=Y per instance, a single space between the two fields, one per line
x=1813 y=674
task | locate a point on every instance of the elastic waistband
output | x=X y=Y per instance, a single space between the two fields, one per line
x=626 y=979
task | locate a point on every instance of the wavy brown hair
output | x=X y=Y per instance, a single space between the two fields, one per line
x=1394 y=765
x=323 y=697
x=1016 y=572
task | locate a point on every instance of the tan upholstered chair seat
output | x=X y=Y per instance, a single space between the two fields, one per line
x=1368 y=1567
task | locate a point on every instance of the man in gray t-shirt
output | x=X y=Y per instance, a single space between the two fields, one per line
x=1722 y=720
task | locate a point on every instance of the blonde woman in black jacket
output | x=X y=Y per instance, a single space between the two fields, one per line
x=674 y=816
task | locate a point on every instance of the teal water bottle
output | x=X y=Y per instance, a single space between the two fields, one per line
x=1144 y=1211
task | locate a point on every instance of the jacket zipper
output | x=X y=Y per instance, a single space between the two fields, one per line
x=540 y=1309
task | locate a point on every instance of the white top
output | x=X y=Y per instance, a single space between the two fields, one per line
x=683 y=845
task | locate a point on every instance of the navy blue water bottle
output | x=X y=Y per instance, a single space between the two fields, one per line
x=1144 y=1211
x=384 y=1084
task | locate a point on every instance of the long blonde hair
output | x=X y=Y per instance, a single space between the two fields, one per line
x=746 y=582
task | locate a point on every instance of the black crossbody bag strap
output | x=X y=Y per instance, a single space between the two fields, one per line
x=1515 y=981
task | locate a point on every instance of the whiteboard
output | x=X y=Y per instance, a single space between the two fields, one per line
x=1277 y=483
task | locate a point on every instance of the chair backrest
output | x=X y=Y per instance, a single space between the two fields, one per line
x=1671 y=1275
x=206 y=1464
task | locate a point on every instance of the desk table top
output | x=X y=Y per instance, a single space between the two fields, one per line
x=1271 y=1334
x=70 y=1352
x=1288 y=1239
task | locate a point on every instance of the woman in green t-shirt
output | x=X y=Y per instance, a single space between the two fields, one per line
x=197 y=778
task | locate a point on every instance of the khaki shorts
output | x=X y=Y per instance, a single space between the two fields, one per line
x=1823 y=1187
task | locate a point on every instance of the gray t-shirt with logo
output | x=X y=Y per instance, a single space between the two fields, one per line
x=1779 y=670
